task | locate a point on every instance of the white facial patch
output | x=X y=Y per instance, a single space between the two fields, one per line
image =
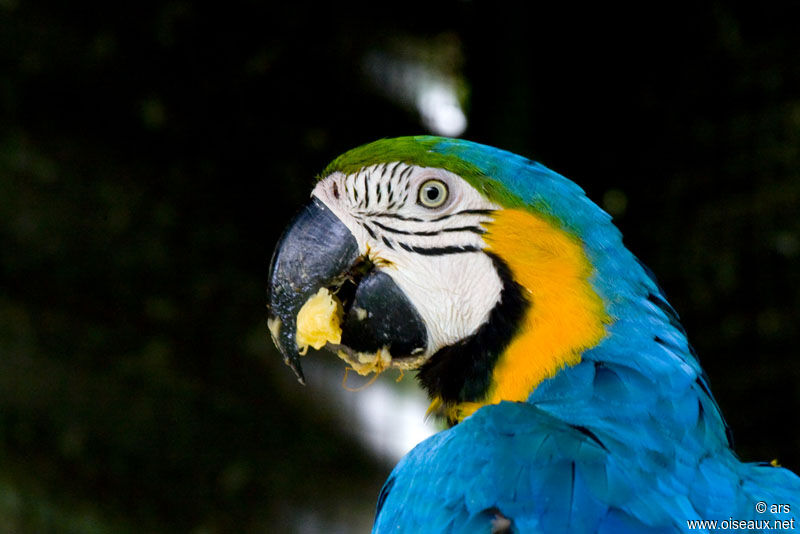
x=433 y=254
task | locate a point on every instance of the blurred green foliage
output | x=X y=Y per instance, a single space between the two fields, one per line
x=150 y=156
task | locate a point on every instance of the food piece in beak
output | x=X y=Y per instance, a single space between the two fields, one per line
x=319 y=321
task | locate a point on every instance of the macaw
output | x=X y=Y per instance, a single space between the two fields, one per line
x=574 y=400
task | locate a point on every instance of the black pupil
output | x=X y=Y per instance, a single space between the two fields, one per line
x=432 y=193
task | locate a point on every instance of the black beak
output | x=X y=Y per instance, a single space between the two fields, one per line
x=317 y=250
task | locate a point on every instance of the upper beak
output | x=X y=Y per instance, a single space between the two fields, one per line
x=313 y=252
x=318 y=250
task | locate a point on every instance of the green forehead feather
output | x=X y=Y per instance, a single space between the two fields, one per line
x=424 y=151
x=417 y=150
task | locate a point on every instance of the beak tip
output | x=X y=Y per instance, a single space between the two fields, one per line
x=294 y=363
x=290 y=358
x=298 y=371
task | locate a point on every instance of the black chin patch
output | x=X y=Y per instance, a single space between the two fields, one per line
x=462 y=372
x=379 y=316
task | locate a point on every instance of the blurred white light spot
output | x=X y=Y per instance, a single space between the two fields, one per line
x=389 y=419
x=392 y=421
x=416 y=82
x=441 y=113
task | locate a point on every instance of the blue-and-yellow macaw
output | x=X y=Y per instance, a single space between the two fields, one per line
x=575 y=401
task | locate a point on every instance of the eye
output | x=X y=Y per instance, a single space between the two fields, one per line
x=432 y=193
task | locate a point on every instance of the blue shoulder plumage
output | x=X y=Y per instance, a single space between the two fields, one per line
x=514 y=460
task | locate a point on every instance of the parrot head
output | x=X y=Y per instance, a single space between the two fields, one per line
x=477 y=268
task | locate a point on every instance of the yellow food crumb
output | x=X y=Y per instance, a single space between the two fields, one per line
x=365 y=363
x=319 y=321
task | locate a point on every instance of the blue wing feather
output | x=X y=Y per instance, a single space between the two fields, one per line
x=547 y=476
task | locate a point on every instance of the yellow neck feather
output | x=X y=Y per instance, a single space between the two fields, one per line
x=565 y=317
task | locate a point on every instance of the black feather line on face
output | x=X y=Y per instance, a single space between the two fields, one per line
x=473 y=229
x=463 y=212
x=394 y=168
x=392 y=216
x=462 y=372
x=370 y=231
x=405 y=173
x=438 y=251
x=402 y=232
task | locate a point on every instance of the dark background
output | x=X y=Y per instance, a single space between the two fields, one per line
x=151 y=154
